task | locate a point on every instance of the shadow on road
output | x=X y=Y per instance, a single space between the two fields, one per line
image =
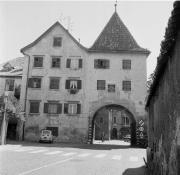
x=71 y=145
x=136 y=171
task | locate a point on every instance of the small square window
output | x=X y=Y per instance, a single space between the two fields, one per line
x=57 y=42
x=126 y=64
x=34 y=107
x=101 y=84
x=126 y=86
x=111 y=87
x=54 y=83
x=38 y=61
x=56 y=62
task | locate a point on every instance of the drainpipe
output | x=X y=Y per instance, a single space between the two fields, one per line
x=25 y=98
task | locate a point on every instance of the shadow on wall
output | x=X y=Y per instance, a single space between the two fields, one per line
x=136 y=171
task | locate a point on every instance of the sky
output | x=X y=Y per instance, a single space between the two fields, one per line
x=21 y=22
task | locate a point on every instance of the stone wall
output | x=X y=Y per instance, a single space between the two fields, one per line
x=164 y=118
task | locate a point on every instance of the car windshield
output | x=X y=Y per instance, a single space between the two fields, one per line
x=46 y=132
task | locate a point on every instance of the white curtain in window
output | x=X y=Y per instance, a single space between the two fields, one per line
x=72 y=109
x=73 y=84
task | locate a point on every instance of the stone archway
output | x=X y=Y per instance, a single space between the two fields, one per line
x=103 y=122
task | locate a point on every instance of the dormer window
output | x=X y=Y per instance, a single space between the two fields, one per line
x=57 y=42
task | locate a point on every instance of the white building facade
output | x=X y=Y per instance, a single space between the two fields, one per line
x=64 y=84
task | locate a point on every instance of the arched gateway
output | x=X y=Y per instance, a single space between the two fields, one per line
x=113 y=121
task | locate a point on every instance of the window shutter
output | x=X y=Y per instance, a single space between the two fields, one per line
x=67 y=84
x=80 y=63
x=68 y=63
x=30 y=82
x=79 y=84
x=65 y=108
x=59 y=108
x=95 y=63
x=45 y=107
x=78 y=108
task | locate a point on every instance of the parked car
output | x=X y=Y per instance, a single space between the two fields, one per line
x=46 y=136
x=127 y=138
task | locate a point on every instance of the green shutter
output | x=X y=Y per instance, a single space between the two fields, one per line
x=45 y=107
x=67 y=84
x=59 y=108
x=65 y=108
x=79 y=84
x=68 y=63
x=80 y=63
x=78 y=108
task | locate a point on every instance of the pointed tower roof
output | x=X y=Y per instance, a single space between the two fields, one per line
x=115 y=37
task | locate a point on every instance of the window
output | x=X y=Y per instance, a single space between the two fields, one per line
x=54 y=83
x=73 y=84
x=72 y=108
x=34 y=82
x=56 y=61
x=53 y=108
x=101 y=84
x=9 y=86
x=54 y=130
x=126 y=64
x=125 y=121
x=101 y=64
x=126 y=86
x=34 y=106
x=38 y=61
x=74 y=63
x=57 y=42
x=111 y=87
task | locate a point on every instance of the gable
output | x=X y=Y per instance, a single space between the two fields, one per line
x=56 y=30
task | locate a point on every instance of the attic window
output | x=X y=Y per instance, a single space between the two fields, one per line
x=57 y=42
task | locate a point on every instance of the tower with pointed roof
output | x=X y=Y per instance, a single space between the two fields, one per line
x=69 y=88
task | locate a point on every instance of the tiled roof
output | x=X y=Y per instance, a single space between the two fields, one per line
x=16 y=62
x=167 y=46
x=116 y=37
x=15 y=70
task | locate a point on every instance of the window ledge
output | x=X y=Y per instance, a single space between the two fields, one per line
x=34 y=113
x=72 y=114
x=54 y=89
x=38 y=67
x=35 y=88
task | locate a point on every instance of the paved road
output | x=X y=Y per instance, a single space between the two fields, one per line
x=69 y=159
